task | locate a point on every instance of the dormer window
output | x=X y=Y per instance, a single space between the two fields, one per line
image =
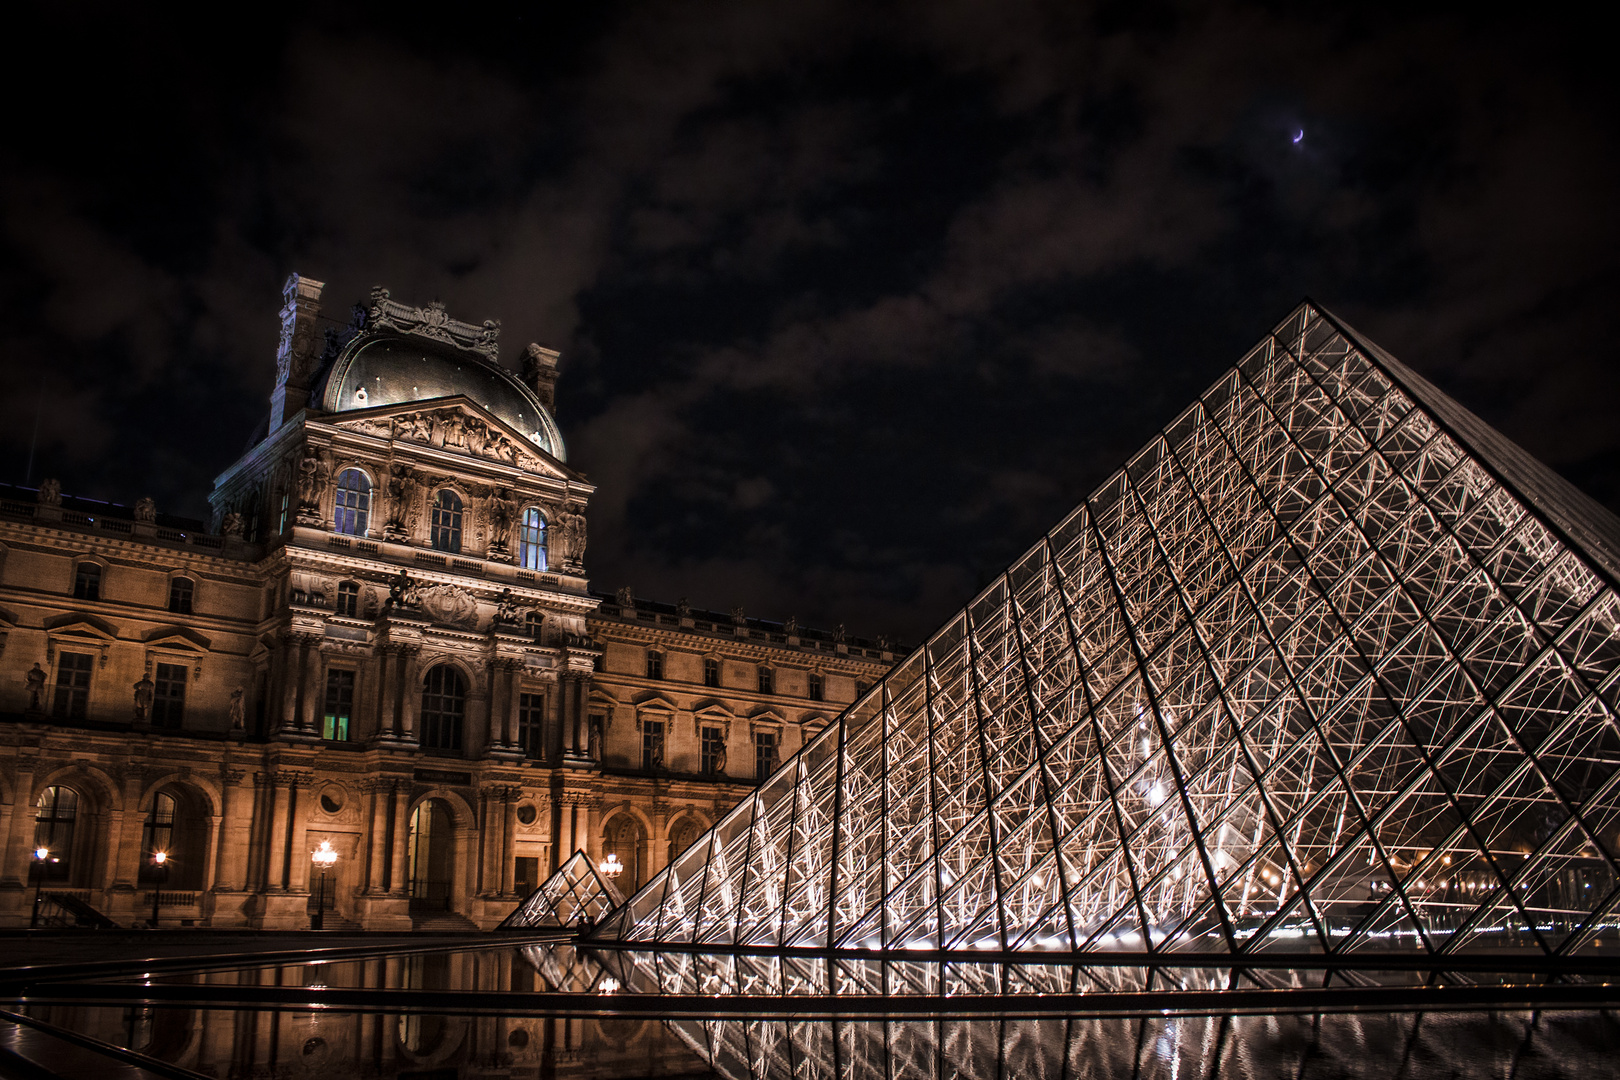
x=447 y=522
x=352 y=507
x=87 y=581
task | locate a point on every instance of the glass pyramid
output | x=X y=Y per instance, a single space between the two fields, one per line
x=1330 y=666
x=574 y=893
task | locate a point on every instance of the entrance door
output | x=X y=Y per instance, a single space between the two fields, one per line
x=432 y=857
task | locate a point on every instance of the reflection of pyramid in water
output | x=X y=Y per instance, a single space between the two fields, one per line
x=573 y=892
x=1329 y=666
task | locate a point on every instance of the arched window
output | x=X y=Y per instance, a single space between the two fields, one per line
x=444 y=703
x=57 y=813
x=180 y=590
x=683 y=836
x=87 y=581
x=157 y=835
x=353 y=505
x=348 y=598
x=532 y=540
x=447 y=521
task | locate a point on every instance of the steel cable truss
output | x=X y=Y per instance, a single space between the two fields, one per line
x=1329 y=666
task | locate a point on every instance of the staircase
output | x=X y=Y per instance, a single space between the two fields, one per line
x=333 y=921
x=441 y=922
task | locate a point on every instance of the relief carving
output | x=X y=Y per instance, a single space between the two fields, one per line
x=448 y=604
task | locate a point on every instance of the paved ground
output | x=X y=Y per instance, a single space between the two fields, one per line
x=31 y=948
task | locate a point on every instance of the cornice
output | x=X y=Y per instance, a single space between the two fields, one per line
x=97 y=541
x=691 y=639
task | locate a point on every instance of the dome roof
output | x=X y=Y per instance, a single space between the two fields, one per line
x=393 y=371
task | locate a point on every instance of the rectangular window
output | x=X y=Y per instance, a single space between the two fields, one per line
x=652 y=744
x=714 y=751
x=766 y=681
x=532 y=725
x=180 y=590
x=655 y=665
x=339 y=705
x=169 y=696
x=72 y=685
x=816 y=688
x=87 y=581
x=764 y=753
x=711 y=672
x=525 y=874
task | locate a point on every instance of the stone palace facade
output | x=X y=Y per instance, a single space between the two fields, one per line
x=385 y=643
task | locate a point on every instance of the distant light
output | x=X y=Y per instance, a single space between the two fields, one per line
x=1299 y=136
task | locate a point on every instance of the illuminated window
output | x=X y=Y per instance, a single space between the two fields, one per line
x=339 y=705
x=532 y=540
x=353 y=504
x=447 y=522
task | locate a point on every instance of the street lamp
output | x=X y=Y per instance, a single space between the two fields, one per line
x=322 y=857
x=42 y=855
x=610 y=867
x=160 y=874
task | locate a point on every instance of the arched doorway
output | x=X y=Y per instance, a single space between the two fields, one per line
x=57 y=832
x=432 y=853
x=683 y=835
x=175 y=823
x=624 y=837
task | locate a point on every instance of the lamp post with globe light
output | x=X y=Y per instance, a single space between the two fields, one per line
x=160 y=867
x=42 y=855
x=322 y=857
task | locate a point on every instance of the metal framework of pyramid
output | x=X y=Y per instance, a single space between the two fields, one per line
x=1330 y=666
x=572 y=893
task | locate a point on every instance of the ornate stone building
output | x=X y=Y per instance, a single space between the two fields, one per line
x=385 y=643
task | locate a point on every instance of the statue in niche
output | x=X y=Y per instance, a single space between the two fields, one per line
x=35 y=681
x=238 y=708
x=501 y=510
x=720 y=759
x=595 y=743
x=311 y=479
x=146 y=509
x=571 y=527
x=143 y=698
x=50 y=492
x=231 y=525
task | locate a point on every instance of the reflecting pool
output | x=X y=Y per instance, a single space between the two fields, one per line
x=549 y=1009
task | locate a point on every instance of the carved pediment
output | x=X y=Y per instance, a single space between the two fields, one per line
x=81 y=624
x=458 y=425
x=183 y=638
x=655 y=701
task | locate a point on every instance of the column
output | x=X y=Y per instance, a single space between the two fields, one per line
x=275 y=872
x=565 y=831
x=20 y=840
x=509 y=839
x=376 y=880
x=230 y=856
x=290 y=663
x=402 y=828
x=593 y=829
x=313 y=691
x=298 y=834
x=509 y=727
x=494 y=704
x=387 y=704
x=407 y=692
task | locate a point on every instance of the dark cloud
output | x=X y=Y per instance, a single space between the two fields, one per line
x=853 y=300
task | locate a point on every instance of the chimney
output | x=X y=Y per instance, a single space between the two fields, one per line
x=540 y=374
x=299 y=348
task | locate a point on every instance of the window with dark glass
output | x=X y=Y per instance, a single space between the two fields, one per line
x=711 y=672
x=767 y=680
x=72 y=685
x=532 y=540
x=817 y=689
x=655 y=665
x=533 y=624
x=447 y=522
x=286 y=503
x=157 y=834
x=339 y=705
x=180 y=590
x=652 y=744
x=532 y=725
x=352 y=508
x=348 y=599
x=444 y=704
x=87 y=581
x=169 y=695
x=55 y=817
x=714 y=750
x=764 y=753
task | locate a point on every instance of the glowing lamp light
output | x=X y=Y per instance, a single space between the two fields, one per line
x=610 y=867
x=324 y=856
x=42 y=853
x=159 y=858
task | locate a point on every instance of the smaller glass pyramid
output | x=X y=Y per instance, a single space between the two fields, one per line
x=575 y=893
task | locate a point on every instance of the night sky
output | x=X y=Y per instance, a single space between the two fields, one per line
x=853 y=300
